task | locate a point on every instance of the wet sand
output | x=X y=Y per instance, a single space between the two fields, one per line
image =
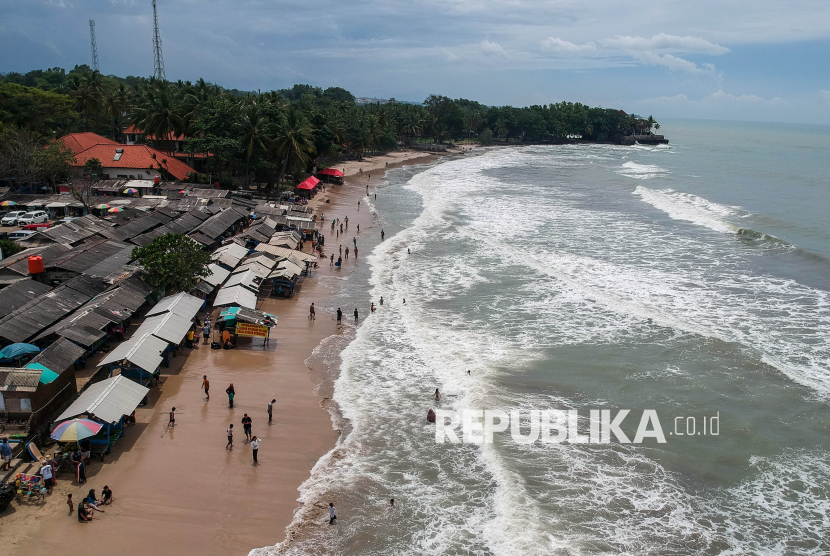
x=179 y=490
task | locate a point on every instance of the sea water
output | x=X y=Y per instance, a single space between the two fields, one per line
x=690 y=279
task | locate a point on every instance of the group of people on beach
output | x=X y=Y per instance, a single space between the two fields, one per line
x=91 y=504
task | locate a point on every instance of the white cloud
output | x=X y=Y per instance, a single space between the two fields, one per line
x=664 y=42
x=674 y=63
x=492 y=49
x=719 y=97
x=559 y=46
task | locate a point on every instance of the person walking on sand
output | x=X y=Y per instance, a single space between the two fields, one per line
x=332 y=225
x=190 y=339
x=231 y=393
x=206 y=331
x=246 y=426
x=230 y=437
x=332 y=516
x=206 y=386
x=358 y=228
x=355 y=315
x=271 y=409
x=341 y=249
x=311 y=314
x=339 y=315
x=172 y=421
x=347 y=252
x=255 y=445
x=70 y=503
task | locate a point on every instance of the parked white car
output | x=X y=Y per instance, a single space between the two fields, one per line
x=20 y=234
x=11 y=218
x=35 y=217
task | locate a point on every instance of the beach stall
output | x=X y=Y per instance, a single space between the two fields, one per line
x=330 y=175
x=107 y=402
x=308 y=188
x=244 y=322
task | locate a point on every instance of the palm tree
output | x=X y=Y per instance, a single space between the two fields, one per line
x=254 y=135
x=294 y=141
x=159 y=117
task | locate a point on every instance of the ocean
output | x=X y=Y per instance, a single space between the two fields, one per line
x=691 y=279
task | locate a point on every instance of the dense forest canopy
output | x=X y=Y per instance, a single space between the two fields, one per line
x=269 y=136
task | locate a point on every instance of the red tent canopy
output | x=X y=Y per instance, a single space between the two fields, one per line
x=309 y=184
x=331 y=172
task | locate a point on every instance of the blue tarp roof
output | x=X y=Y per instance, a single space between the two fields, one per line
x=14 y=351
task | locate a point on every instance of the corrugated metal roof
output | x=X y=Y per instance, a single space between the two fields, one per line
x=82 y=334
x=110 y=264
x=86 y=255
x=167 y=326
x=40 y=313
x=255 y=267
x=202 y=238
x=255 y=317
x=248 y=279
x=108 y=400
x=20 y=293
x=139 y=226
x=229 y=254
x=182 y=304
x=19 y=380
x=297 y=257
x=77 y=230
x=288 y=266
x=60 y=355
x=236 y=295
x=219 y=223
x=142 y=350
x=217 y=275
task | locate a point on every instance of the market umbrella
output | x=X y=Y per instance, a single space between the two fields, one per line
x=102 y=206
x=182 y=191
x=16 y=350
x=8 y=204
x=130 y=190
x=116 y=209
x=75 y=429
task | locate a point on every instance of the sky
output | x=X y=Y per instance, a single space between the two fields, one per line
x=759 y=60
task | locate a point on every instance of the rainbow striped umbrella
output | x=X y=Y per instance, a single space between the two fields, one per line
x=102 y=206
x=116 y=209
x=8 y=204
x=75 y=429
x=130 y=190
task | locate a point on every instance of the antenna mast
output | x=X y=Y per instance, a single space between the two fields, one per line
x=94 y=46
x=158 y=65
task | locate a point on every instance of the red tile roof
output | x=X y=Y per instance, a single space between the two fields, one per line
x=169 y=137
x=139 y=157
x=78 y=142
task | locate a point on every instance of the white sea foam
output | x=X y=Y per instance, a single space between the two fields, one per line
x=691 y=208
x=641 y=171
x=565 y=274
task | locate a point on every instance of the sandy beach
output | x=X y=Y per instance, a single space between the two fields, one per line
x=178 y=490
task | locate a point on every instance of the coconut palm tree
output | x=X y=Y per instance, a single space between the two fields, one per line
x=294 y=141
x=254 y=135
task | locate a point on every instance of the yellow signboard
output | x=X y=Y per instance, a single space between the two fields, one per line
x=253 y=330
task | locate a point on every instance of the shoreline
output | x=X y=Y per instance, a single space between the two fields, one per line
x=181 y=487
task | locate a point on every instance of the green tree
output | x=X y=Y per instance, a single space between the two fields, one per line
x=93 y=167
x=38 y=110
x=53 y=163
x=9 y=247
x=173 y=261
x=294 y=141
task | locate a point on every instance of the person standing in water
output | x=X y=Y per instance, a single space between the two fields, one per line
x=311 y=314
x=231 y=393
x=271 y=409
x=382 y=234
x=339 y=315
x=230 y=437
x=354 y=240
x=355 y=315
x=437 y=395
x=381 y=300
x=255 y=445
x=172 y=421
x=355 y=252
x=332 y=516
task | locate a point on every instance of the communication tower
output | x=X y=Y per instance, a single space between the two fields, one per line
x=158 y=65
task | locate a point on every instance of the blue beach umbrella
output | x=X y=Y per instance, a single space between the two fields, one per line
x=16 y=350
